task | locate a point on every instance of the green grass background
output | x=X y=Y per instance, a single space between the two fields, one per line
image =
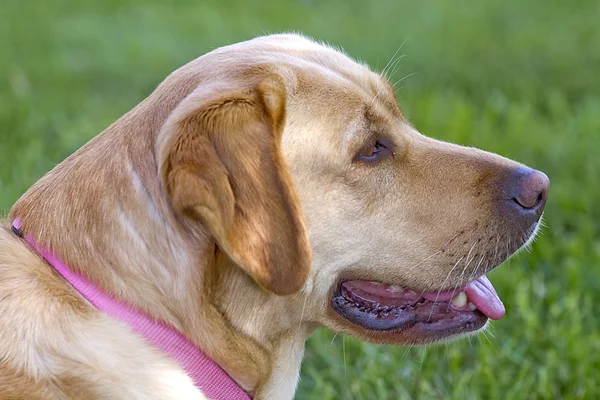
x=520 y=78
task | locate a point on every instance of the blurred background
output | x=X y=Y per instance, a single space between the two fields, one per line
x=519 y=78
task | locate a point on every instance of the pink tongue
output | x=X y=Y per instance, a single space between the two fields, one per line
x=480 y=292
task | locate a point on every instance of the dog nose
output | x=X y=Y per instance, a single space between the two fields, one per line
x=530 y=189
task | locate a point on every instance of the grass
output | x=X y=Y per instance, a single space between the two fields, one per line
x=517 y=78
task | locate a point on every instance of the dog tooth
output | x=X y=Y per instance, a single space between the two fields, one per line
x=460 y=300
x=471 y=306
x=396 y=288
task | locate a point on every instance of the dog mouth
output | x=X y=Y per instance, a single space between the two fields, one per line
x=428 y=316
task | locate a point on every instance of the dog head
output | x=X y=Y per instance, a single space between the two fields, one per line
x=292 y=148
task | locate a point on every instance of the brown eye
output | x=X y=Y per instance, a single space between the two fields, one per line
x=375 y=150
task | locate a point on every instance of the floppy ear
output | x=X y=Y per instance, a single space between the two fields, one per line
x=221 y=163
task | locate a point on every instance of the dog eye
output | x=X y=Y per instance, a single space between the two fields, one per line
x=375 y=150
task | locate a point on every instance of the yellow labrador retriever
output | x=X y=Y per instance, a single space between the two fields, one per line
x=263 y=190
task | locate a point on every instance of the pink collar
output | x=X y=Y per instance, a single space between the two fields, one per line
x=205 y=373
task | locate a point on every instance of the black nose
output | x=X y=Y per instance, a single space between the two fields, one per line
x=529 y=189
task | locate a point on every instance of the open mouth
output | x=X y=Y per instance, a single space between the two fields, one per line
x=389 y=308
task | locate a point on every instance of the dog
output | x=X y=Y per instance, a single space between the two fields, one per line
x=263 y=190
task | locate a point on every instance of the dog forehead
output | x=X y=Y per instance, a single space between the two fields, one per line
x=297 y=57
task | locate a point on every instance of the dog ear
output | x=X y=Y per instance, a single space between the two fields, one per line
x=221 y=163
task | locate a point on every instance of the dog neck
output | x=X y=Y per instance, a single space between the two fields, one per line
x=276 y=322
x=104 y=212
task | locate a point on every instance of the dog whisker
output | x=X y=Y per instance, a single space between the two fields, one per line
x=484 y=333
x=425 y=259
x=490 y=330
x=495 y=259
x=469 y=254
x=474 y=273
x=405 y=77
x=374 y=98
x=467 y=261
x=385 y=69
x=394 y=67
x=440 y=289
x=437 y=252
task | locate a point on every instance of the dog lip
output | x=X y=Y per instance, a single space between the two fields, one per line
x=380 y=307
x=430 y=321
x=480 y=292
